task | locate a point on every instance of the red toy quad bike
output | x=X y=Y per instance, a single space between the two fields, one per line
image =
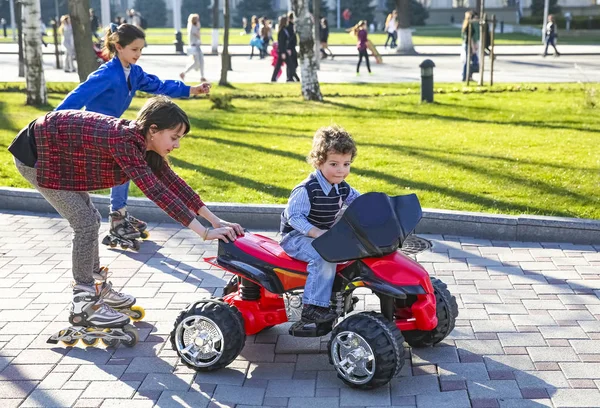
x=365 y=348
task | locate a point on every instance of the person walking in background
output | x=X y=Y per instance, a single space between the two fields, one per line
x=551 y=36
x=3 y=24
x=94 y=24
x=245 y=28
x=292 y=42
x=324 y=38
x=43 y=32
x=391 y=27
x=361 y=35
x=275 y=60
x=282 y=38
x=68 y=43
x=265 y=36
x=194 y=50
x=468 y=31
x=255 y=41
x=347 y=15
x=135 y=18
x=109 y=90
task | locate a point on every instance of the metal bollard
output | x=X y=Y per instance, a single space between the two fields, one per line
x=501 y=27
x=178 y=42
x=427 y=80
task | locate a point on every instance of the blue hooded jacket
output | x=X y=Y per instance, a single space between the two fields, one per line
x=105 y=90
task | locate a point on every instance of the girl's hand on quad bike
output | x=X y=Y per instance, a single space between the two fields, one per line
x=236 y=227
x=203 y=88
x=224 y=233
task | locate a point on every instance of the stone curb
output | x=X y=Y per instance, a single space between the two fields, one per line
x=267 y=217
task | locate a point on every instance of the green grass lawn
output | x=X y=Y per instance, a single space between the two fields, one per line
x=427 y=35
x=421 y=36
x=510 y=152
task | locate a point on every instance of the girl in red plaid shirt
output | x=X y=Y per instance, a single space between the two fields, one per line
x=65 y=154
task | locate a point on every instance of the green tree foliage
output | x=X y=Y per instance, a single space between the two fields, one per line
x=537 y=7
x=249 y=8
x=201 y=7
x=154 y=11
x=360 y=9
x=418 y=13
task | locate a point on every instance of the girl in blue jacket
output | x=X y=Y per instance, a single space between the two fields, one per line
x=109 y=90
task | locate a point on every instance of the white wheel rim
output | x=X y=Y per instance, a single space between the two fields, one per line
x=353 y=357
x=199 y=341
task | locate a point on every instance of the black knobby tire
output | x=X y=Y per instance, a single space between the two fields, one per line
x=385 y=340
x=446 y=311
x=230 y=322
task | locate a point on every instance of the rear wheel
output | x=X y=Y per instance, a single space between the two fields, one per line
x=446 y=311
x=208 y=335
x=366 y=350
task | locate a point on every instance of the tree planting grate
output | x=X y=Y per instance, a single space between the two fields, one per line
x=413 y=245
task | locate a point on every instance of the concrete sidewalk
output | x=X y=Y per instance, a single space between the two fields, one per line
x=528 y=333
x=349 y=50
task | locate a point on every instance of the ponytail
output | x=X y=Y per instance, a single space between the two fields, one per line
x=123 y=35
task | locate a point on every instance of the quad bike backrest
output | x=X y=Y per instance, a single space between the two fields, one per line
x=372 y=226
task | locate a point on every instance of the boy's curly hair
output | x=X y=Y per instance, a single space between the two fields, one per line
x=330 y=139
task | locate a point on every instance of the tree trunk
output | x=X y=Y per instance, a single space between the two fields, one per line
x=215 y=30
x=32 y=44
x=317 y=20
x=225 y=55
x=82 y=34
x=311 y=91
x=19 y=24
x=405 y=43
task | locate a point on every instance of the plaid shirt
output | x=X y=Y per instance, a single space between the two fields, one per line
x=83 y=151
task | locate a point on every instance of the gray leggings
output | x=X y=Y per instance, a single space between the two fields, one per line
x=77 y=208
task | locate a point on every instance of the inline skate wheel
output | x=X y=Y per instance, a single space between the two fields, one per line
x=138 y=313
x=136 y=245
x=70 y=343
x=133 y=335
x=144 y=234
x=90 y=341
x=109 y=342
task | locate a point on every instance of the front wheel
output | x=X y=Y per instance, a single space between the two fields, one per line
x=208 y=335
x=366 y=350
x=446 y=311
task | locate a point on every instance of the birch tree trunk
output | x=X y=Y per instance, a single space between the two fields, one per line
x=311 y=91
x=225 y=59
x=82 y=35
x=32 y=44
x=405 y=43
x=215 y=27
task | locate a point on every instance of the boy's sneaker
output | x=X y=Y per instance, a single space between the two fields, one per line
x=317 y=314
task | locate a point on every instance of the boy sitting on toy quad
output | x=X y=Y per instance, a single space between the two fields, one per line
x=312 y=209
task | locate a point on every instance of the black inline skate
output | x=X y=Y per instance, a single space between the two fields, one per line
x=121 y=302
x=122 y=232
x=93 y=320
x=139 y=225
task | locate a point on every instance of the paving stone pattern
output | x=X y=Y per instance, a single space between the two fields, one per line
x=528 y=334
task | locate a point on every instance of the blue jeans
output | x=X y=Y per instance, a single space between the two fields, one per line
x=321 y=273
x=118 y=196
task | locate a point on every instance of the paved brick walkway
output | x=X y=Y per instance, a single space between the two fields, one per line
x=528 y=333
